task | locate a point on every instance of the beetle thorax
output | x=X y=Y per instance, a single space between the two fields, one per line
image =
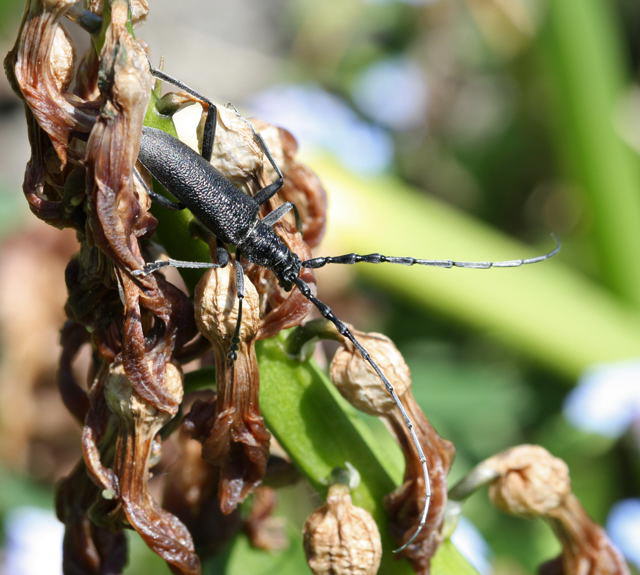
x=263 y=247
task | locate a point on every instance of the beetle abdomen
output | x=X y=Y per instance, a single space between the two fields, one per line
x=215 y=201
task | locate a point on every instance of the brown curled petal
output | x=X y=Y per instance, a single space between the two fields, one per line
x=138 y=425
x=39 y=66
x=36 y=189
x=303 y=188
x=238 y=441
x=340 y=538
x=97 y=426
x=405 y=504
x=145 y=367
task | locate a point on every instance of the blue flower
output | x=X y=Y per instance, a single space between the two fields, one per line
x=472 y=545
x=33 y=543
x=623 y=526
x=322 y=120
x=607 y=399
x=394 y=92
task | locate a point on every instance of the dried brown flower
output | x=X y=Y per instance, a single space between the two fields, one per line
x=340 y=538
x=528 y=481
x=236 y=441
x=360 y=385
x=84 y=124
x=405 y=504
x=138 y=424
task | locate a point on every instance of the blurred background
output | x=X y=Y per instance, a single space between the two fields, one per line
x=466 y=130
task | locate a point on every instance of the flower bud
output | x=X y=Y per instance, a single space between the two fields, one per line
x=359 y=384
x=531 y=481
x=340 y=538
x=216 y=305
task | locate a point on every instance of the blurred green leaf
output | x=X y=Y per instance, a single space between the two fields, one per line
x=494 y=400
x=546 y=311
x=582 y=55
x=246 y=559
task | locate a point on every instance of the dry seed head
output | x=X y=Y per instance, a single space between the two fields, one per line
x=359 y=384
x=216 y=305
x=126 y=404
x=532 y=482
x=340 y=538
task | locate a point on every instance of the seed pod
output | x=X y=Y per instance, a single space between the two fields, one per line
x=532 y=482
x=126 y=404
x=216 y=305
x=359 y=384
x=340 y=538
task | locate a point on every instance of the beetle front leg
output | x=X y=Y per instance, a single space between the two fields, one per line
x=211 y=119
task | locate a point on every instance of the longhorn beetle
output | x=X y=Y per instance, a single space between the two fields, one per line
x=232 y=216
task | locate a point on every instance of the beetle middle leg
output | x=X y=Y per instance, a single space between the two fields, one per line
x=276 y=215
x=150 y=267
x=235 y=340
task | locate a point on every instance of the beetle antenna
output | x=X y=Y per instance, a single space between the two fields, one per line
x=344 y=330
x=409 y=261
